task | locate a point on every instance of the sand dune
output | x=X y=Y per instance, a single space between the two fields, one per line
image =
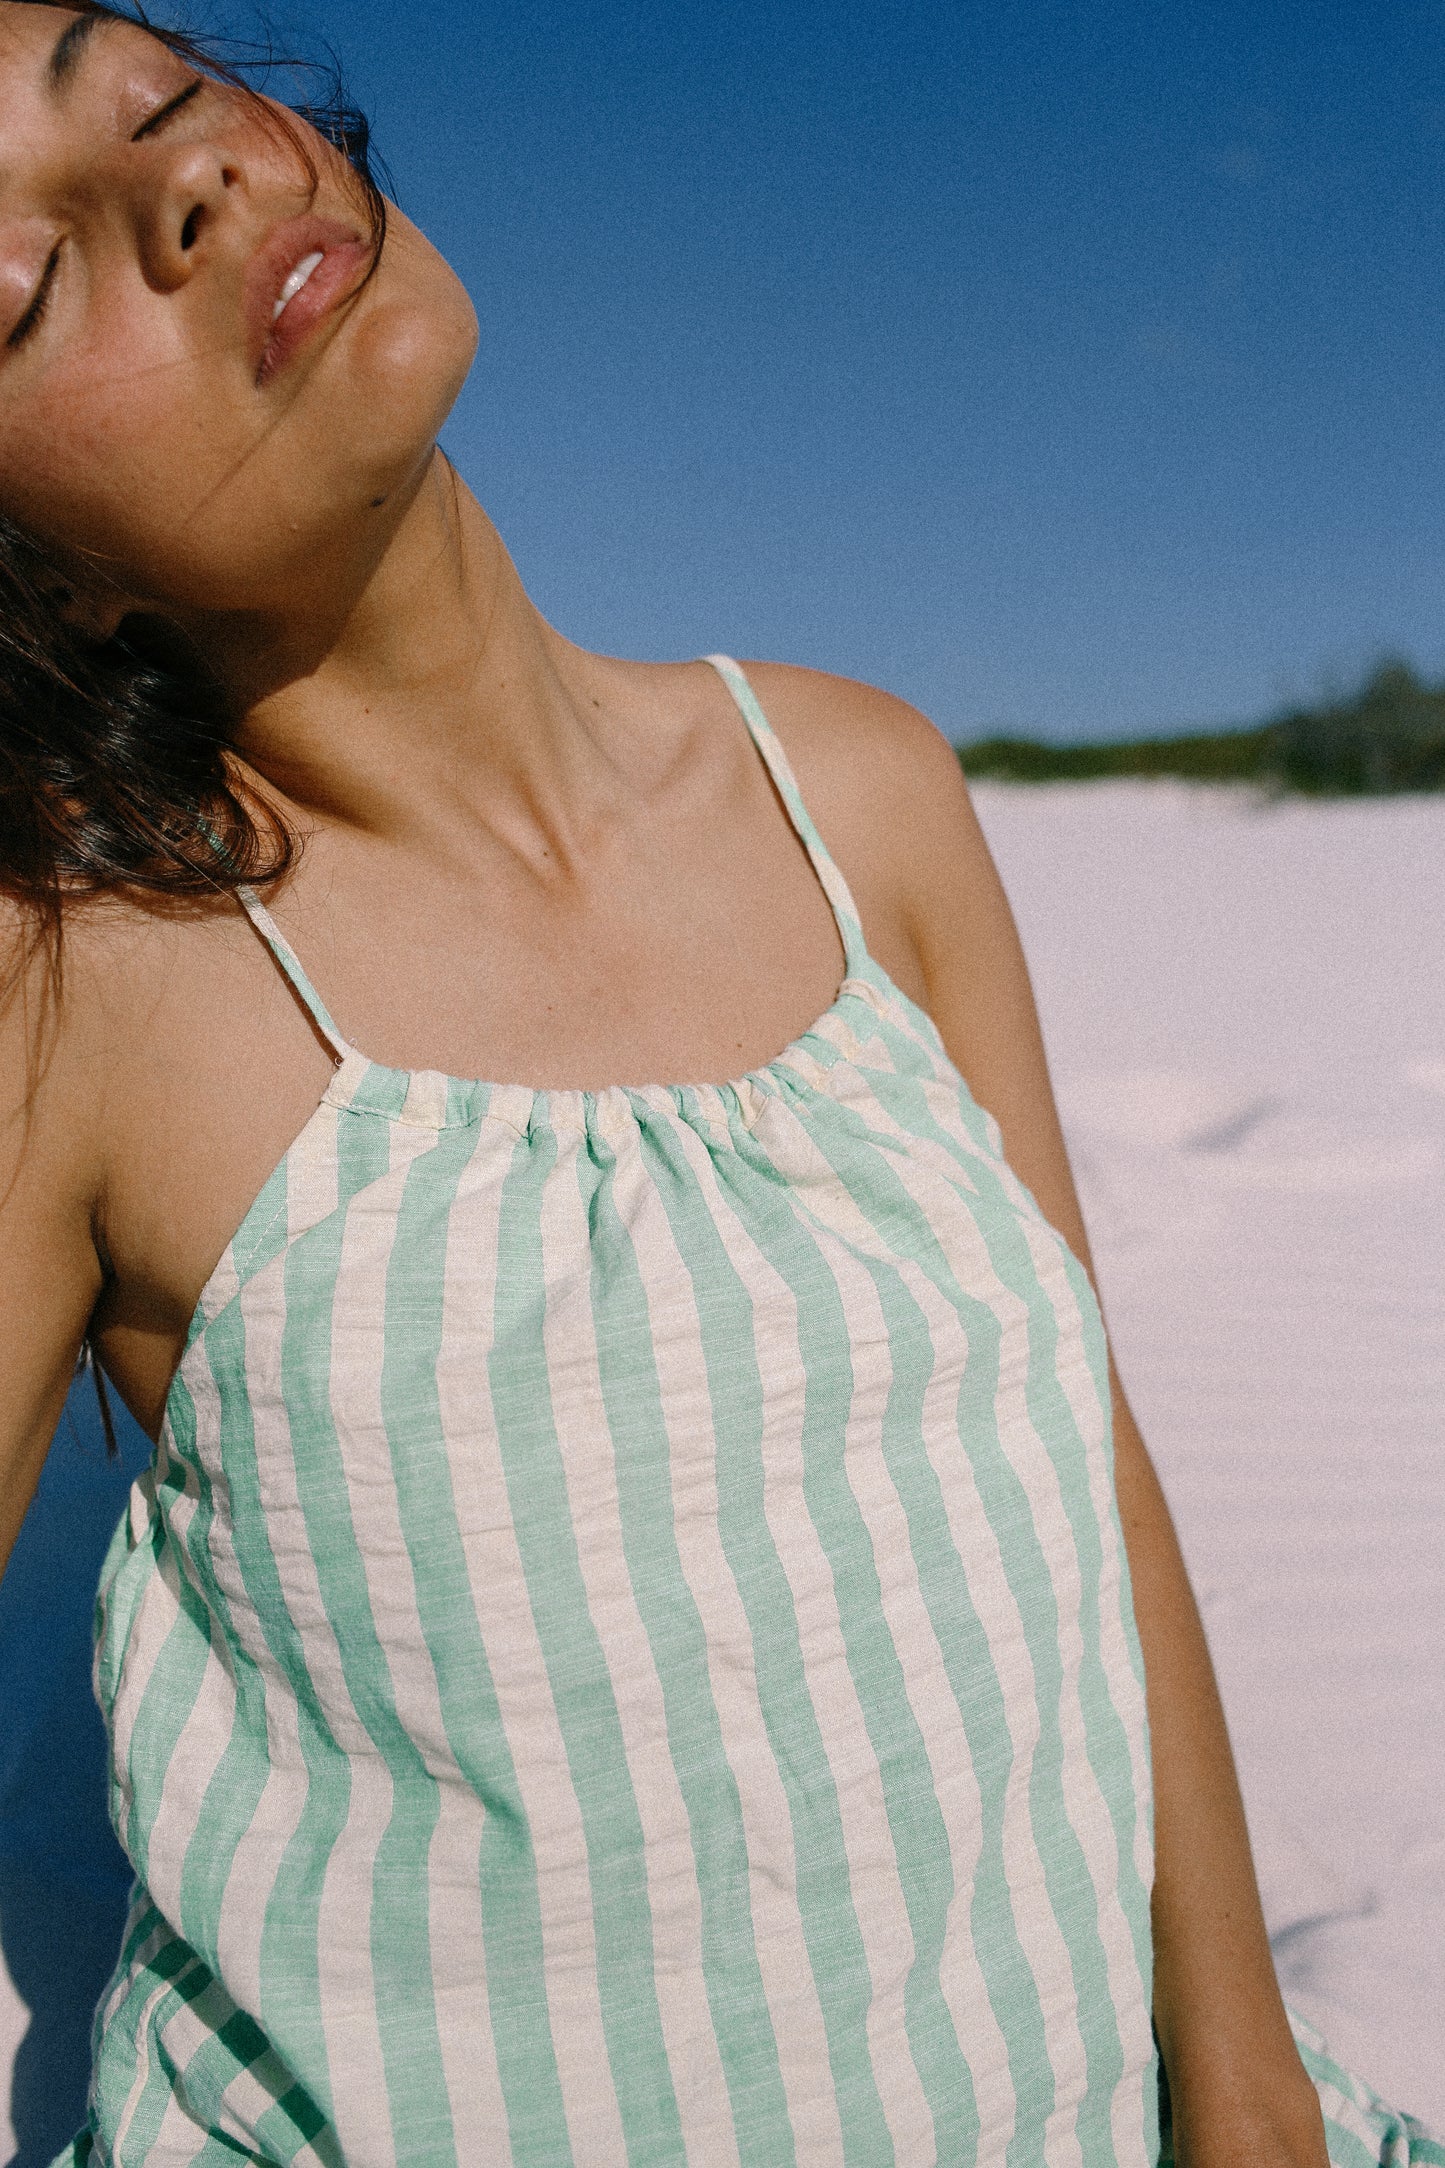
x=1245 y=1009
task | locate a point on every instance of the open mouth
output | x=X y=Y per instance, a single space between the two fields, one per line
x=302 y=270
x=297 y=280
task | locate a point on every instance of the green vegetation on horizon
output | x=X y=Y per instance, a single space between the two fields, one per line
x=1387 y=736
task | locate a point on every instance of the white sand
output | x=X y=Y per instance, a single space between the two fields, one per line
x=1245 y=1010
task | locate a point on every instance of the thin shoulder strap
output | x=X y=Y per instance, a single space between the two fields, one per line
x=290 y=963
x=835 y=888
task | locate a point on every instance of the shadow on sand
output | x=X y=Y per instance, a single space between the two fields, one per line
x=63 y=1878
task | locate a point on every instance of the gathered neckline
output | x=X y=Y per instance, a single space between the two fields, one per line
x=438 y=1097
x=852 y=983
x=429 y=1094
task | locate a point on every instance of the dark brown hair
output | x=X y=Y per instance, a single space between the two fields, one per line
x=116 y=762
x=114 y=773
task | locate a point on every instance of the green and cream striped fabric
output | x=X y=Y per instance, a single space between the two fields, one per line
x=625 y=1654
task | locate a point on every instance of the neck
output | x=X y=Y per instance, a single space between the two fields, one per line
x=437 y=685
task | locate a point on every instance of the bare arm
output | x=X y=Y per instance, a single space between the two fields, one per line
x=50 y=1273
x=1239 y=2091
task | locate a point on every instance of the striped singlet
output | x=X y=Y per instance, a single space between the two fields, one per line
x=624 y=1655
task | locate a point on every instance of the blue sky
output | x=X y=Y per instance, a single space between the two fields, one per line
x=1069 y=369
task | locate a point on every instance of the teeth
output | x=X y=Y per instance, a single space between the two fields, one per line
x=297 y=280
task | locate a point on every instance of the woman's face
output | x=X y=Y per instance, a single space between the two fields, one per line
x=155 y=408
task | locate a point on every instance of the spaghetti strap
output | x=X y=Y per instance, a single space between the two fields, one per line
x=835 y=888
x=290 y=963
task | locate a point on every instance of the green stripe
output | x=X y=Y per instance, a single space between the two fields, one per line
x=167 y=1699
x=289 y=1973
x=239 y=1777
x=829 y=1920
x=915 y=1820
x=1066 y=1871
x=869 y=1178
x=240 y=1774
x=234 y=2047
x=421 y=1468
x=400 y=1931
x=943 y=1586
x=1106 y=1739
x=175 y=1969
x=577 y=1671
x=290 y=1980
x=642 y=1455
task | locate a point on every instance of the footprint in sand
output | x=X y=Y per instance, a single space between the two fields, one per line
x=1172 y=1110
x=1237 y=1134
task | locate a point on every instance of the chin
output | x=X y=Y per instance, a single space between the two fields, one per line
x=408 y=358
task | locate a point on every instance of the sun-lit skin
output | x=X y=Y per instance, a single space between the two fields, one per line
x=303 y=529
x=523 y=860
x=131 y=420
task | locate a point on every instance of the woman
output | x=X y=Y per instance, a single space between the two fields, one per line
x=626 y=1650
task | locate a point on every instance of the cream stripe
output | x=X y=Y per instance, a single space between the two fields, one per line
x=529 y=1719
x=348 y=2020
x=260 y=1850
x=180 y=2139
x=782 y=1952
x=313 y=1170
x=458 y=1965
x=596 y=1516
x=141 y=2084
x=258 y=1853
x=203 y=1740
x=875 y=1886
x=1093 y=1823
x=977 y=1543
x=152 y=1621
x=965 y=1983
x=961 y=1240
x=1126 y=1695
x=459 y=1979
x=223 y=1285
x=936 y=1712
x=886 y=1926
x=207 y=1729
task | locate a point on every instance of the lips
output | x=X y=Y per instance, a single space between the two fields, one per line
x=279 y=309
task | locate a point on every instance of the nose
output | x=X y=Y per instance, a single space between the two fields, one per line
x=185 y=201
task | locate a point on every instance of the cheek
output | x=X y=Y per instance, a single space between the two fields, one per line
x=186 y=489
x=119 y=449
x=195 y=492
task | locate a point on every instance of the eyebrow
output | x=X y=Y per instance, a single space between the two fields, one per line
x=66 y=53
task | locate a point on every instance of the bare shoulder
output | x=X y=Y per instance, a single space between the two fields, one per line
x=116 y=958
x=80 y=1059
x=64 y=1038
x=45 y=1028
x=855 y=738
x=887 y=792
x=889 y=797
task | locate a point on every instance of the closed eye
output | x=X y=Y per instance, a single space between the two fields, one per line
x=39 y=302
x=172 y=106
